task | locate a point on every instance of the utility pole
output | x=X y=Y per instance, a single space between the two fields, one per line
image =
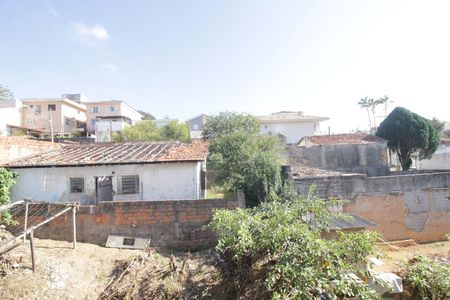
x=51 y=124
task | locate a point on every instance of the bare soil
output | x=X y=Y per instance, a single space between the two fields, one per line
x=95 y=272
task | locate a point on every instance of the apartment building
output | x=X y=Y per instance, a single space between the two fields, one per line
x=104 y=118
x=63 y=116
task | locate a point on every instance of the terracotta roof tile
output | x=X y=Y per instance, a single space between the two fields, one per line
x=117 y=153
x=347 y=138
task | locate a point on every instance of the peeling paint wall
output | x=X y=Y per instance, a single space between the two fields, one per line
x=406 y=206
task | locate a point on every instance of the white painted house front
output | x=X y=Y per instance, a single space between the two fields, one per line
x=112 y=172
x=291 y=126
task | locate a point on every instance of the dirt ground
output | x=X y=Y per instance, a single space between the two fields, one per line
x=94 y=272
x=61 y=272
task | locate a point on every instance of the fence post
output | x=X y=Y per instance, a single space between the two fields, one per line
x=74 y=225
x=33 y=257
x=25 y=223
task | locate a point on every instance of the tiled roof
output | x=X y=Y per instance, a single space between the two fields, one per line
x=117 y=153
x=445 y=142
x=347 y=138
x=304 y=172
x=289 y=116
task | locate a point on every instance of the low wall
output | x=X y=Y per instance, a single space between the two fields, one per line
x=16 y=147
x=406 y=206
x=173 y=223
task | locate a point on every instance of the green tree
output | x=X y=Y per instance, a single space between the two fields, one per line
x=408 y=134
x=174 y=131
x=148 y=131
x=240 y=158
x=5 y=93
x=146 y=115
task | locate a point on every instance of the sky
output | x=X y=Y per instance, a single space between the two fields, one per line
x=182 y=58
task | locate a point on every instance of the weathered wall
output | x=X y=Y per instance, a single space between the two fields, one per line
x=174 y=223
x=370 y=159
x=294 y=131
x=159 y=181
x=406 y=206
x=439 y=161
x=15 y=147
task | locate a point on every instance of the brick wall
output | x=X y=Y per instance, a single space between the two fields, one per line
x=15 y=147
x=413 y=206
x=174 y=223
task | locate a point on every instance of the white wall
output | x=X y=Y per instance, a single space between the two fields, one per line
x=160 y=181
x=439 y=161
x=9 y=115
x=294 y=131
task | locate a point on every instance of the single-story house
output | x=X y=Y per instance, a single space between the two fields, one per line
x=352 y=153
x=91 y=173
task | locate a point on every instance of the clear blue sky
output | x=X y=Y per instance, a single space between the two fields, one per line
x=182 y=58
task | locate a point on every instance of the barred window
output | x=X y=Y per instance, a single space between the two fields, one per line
x=128 y=184
x=77 y=185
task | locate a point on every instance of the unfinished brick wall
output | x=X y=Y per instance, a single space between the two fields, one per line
x=177 y=223
x=15 y=147
x=413 y=206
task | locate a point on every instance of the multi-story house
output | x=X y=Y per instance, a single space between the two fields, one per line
x=291 y=126
x=196 y=125
x=104 y=118
x=9 y=116
x=60 y=116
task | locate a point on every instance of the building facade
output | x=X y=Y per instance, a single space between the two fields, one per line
x=290 y=126
x=61 y=116
x=104 y=118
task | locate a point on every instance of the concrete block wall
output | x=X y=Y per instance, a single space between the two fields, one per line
x=173 y=223
x=16 y=147
x=413 y=206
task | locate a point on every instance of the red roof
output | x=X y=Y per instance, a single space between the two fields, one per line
x=117 y=153
x=346 y=138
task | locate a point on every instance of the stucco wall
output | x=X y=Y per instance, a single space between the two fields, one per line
x=439 y=161
x=157 y=182
x=406 y=206
x=370 y=159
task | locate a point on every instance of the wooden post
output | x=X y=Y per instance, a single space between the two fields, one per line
x=74 y=226
x=25 y=223
x=33 y=257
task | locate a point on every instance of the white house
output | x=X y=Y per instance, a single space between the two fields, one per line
x=196 y=125
x=9 y=116
x=291 y=126
x=440 y=159
x=91 y=173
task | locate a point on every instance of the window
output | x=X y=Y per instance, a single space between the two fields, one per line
x=77 y=185
x=37 y=110
x=51 y=107
x=112 y=109
x=29 y=121
x=93 y=121
x=195 y=127
x=94 y=110
x=128 y=184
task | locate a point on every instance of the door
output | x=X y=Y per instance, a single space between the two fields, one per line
x=103 y=188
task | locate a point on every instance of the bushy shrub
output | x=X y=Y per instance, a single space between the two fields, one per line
x=287 y=236
x=426 y=278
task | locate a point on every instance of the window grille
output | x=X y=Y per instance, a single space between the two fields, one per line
x=77 y=185
x=128 y=184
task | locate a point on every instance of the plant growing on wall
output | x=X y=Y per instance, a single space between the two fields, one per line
x=409 y=134
x=6 y=182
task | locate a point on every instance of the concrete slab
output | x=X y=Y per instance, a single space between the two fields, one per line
x=127 y=242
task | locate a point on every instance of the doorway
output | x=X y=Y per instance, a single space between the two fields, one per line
x=103 y=188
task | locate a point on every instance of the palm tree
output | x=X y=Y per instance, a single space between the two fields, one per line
x=384 y=100
x=366 y=103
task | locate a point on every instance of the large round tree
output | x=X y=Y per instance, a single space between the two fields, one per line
x=407 y=134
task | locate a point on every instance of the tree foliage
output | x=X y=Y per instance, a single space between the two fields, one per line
x=5 y=93
x=282 y=236
x=409 y=134
x=6 y=182
x=148 y=131
x=240 y=158
x=146 y=115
